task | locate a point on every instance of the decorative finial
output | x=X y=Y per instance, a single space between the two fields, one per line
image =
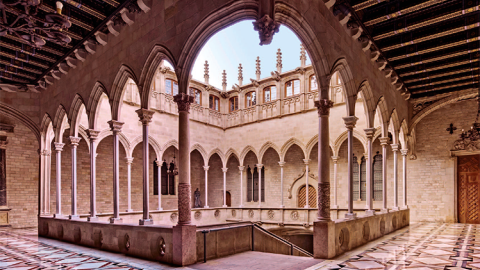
x=258 y=68
x=205 y=75
x=279 y=61
x=240 y=74
x=224 y=80
x=303 y=55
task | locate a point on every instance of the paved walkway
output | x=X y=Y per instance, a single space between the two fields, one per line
x=421 y=246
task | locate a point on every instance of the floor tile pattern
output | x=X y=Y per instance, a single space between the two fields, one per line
x=20 y=251
x=421 y=247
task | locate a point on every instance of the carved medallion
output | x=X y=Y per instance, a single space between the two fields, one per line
x=217 y=213
x=198 y=215
x=174 y=217
x=161 y=246
x=271 y=214
x=251 y=213
x=294 y=215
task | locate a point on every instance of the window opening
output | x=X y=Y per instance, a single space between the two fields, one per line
x=356 y=183
x=197 y=95
x=313 y=83
x=250 y=99
x=214 y=103
x=292 y=88
x=378 y=177
x=171 y=87
x=233 y=104
x=363 y=179
x=269 y=94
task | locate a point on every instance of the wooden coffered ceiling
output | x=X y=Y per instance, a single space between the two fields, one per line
x=22 y=64
x=429 y=48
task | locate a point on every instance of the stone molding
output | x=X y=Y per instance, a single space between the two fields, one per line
x=323 y=107
x=183 y=102
x=350 y=122
x=145 y=116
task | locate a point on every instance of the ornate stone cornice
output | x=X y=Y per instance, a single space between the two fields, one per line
x=369 y=133
x=74 y=141
x=59 y=146
x=323 y=107
x=92 y=134
x=350 y=122
x=145 y=116
x=115 y=126
x=384 y=140
x=266 y=27
x=183 y=101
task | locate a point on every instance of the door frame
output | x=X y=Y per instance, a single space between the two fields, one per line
x=454 y=154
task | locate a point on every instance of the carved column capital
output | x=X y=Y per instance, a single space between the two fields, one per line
x=159 y=163
x=206 y=168
x=335 y=159
x=323 y=107
x=46 y=153
x=224 y=170
x=115 y=126
x=145 y=116
x=395 y=147
x=369 y=133
x=129 y=160
x=281 y=163
x=74 y=141
x=241 y=168
x=384 y=141
x=350 y=122
x=183 y=102
x=259 y=166
x=59 y=146
x=266 y=27
x=404 y=152
x=306 y=161
x=92 y=134
x=3 y=144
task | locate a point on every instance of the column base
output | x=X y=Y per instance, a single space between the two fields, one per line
x=206 y=206
x=184 y=244
x=74 y=217
x=160 y=209
x=129 y=210
x=92 y=219
x=395 y=208
x=224 y=205
x=116 y=220
x=145 y=222
x=324 y=239
x=58 y=216
x=351 y=216
x=369 y=212
x=385 y=210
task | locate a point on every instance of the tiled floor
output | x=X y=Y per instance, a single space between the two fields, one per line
x=421 y=246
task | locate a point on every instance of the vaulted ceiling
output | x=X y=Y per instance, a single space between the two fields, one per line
x=431 y=47
x=24 y=63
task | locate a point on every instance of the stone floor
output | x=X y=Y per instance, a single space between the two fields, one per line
x=420 y=246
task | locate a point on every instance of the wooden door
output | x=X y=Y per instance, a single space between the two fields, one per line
x=229 y=199
x=468 y=168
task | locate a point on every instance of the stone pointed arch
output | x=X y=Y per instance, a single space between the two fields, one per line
x=46 y=121
x=403 y=134
x=350 y=90
x=47 y=132
x=202 y=152
x=157 y=54
x=311 y=144
x=264 y=149
x=220 y=154
x=231 y=152
x=75 y=113
x=236 y=11
x=383 y=114
x=288 y=144
x=94 y=102
x=343 y=137
x=245 y=151
x=173 y=143
x=395 y=124
x=151 y=141
x=368 y=103
x=60 y=123
x=121 y=137
x=118 y=88
x=82 y=132
x=22 y=118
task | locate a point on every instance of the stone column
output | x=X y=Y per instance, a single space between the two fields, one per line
x=159 y=185
x=92 y=136
x=305 y=161
x=384 y=143
x=350 y=122
x=4 y=209
x=116 y=127
x=184 y=233
x=281 y=164
x=259 y=168
x=74 y=141
x=58 y=181
x=241 y=169
x=395 y=148
x=404 y=156
x=145 y=117
x=206 y=185
x=129 y=184
x=335 y=165
x=45 y=185
x=323 y=107
x=369 y=132
x=224 y=170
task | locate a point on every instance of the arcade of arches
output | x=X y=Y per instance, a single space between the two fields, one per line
x=134 y=140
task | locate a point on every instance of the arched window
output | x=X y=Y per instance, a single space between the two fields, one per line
x=302 y=197
x=356 y=183
x=250 y=99
x=313 y=83
x=214 y=103
x=155 y=177
x=171 y=87
x=197 y=94
x=363 y=179
x=269 y=93
x=252 y=184
x=168 y=179
x=233 y=104
x=292 y=88
x=377 y=177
